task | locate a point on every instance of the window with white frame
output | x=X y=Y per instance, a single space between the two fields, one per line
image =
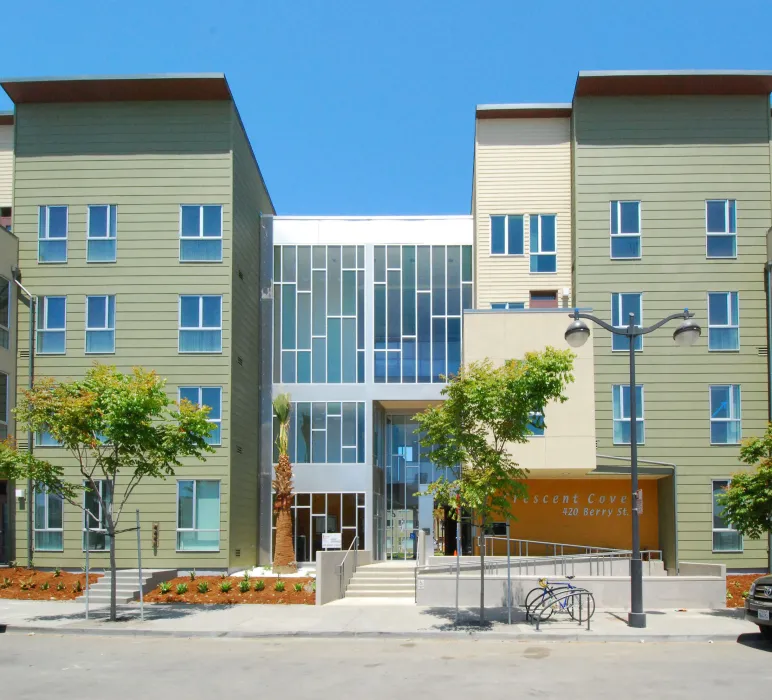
x=508 y=305
x=507 y=234
x=200 y=323
x=721 y=227
x=725 y=418
x=725 y=537
x=536 y=423
x=621 y=400
x=198 y=516
x=723 y=321
x=5 y=312
x=625 y=230
x=622 y=305
x=48 y=521
x=100 y=324
x=201 y=233
x=102 y=235
x=95 y=504
x=51 y=325
x=52 y=234
x=543 y=253
x=207 y=396
x=43 y=438
x=3 y=406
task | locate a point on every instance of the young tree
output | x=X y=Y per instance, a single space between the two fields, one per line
x=747 y=501
x=284 y=548
x=120 y=428
x=486 y=410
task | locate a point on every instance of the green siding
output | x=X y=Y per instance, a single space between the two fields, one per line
x=250 y=199
x=148 y=158
x=673 y=153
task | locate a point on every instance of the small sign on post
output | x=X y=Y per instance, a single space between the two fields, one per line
x=331 y=540
x=638 y=501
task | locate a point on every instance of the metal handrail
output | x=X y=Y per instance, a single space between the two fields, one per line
x=355 y=545
x=588 y=549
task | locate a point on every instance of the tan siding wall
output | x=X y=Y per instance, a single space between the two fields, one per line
x=6 y=165
x=148 y=158
x=672 y=154
x=522 y=166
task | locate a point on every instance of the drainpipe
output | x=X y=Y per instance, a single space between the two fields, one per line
x=30 y=381
x=768 y=269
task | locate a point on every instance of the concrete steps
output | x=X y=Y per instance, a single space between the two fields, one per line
x=127 y=585
x=383 y=580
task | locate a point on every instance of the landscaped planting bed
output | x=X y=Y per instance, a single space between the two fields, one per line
x=31 y=584
x=737 y=587
x=235 y=589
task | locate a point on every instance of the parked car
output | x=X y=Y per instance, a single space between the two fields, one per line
x=758 y=605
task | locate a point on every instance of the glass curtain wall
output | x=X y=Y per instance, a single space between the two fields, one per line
x=319 y=314
x=420 y=293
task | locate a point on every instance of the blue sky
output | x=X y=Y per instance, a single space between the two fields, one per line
x=358 y=107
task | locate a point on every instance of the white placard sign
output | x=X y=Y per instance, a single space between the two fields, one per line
x=331 y=540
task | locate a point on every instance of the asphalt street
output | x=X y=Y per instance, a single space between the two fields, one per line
x=46 y=666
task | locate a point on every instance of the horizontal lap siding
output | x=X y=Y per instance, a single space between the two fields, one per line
x=673 y=154
x=147 y=158
x=522 y=166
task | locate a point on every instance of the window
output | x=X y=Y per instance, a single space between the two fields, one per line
x=3 y=405
x=201 y=233
x=622 y=305
x=508 y=305
x=507 y=235
x=48 y=521
x=721 y=226
x=723 y=321
x=44 y=439
x=543 y=300
x=52 y=234
x=621 y=399
x=543 y=243
x=198 y=516
x=725 y=416
x=102 y=233
x=536 y=423
x=95 y=517
x=207 y=396
x=200 y=323
x=625 y=230
x=100 y=324
x=5 y=311
x=725 y=537
x=51 y=325
x=325 y=433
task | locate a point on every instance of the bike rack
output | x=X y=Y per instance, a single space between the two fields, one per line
x=538 y=608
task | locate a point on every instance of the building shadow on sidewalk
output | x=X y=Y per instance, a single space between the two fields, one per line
x=469 y=618
x=131 y=613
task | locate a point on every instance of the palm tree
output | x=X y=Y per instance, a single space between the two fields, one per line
x=284 y=548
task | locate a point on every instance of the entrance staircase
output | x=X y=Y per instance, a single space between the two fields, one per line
x=383 y=580
x=127 y=585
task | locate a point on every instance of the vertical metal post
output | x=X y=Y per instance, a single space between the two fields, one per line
x=509 y=580
x=458 y=554
x=88 y=547
x=139 y=567
x=30 y=434
x=636 y=618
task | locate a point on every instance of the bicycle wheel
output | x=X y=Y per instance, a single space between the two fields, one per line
x=588 y=607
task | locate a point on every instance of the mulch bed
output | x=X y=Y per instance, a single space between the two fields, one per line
x=736 y=586
x=20 y=583
x=214 y=596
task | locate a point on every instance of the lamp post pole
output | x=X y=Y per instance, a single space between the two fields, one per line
x=686 y=334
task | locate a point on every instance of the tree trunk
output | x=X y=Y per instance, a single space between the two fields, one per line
x=284 y=550
x=113 y=571
x=482 y=572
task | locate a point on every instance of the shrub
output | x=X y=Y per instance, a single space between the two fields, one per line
x=45 y=586
x=225 y=586
x=246 y=576
x=203 y=587
x=57 y=572
x=224 y=575
x=6 y=582
x=26 y=584
x=182 y=588
x=745 y=594
x=244 y=586
x=279 y=587
x=192 y=574
x=77 y=586
x=164 y=587
x=729 y=595
x=60 y=586
x=260 y=585
x=313 y=585
x=298 y=587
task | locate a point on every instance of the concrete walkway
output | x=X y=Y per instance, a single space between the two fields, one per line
x=370 y=619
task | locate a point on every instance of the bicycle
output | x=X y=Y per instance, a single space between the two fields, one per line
x=557 y=596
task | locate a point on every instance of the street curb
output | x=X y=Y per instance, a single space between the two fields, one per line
x=477 y=636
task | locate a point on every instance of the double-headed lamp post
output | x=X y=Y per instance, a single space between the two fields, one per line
x=686 y=334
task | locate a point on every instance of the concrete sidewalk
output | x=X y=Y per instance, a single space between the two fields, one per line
x=372 y=619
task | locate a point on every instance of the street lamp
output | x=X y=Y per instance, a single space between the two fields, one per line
x=686 y=334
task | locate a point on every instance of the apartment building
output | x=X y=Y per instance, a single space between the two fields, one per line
x=138 y=206
x=663 y=181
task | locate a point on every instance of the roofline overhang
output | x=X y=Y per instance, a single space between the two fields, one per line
x=539 y=110
x=672 y=82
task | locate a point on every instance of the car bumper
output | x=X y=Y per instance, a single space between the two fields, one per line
x=752 y=608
